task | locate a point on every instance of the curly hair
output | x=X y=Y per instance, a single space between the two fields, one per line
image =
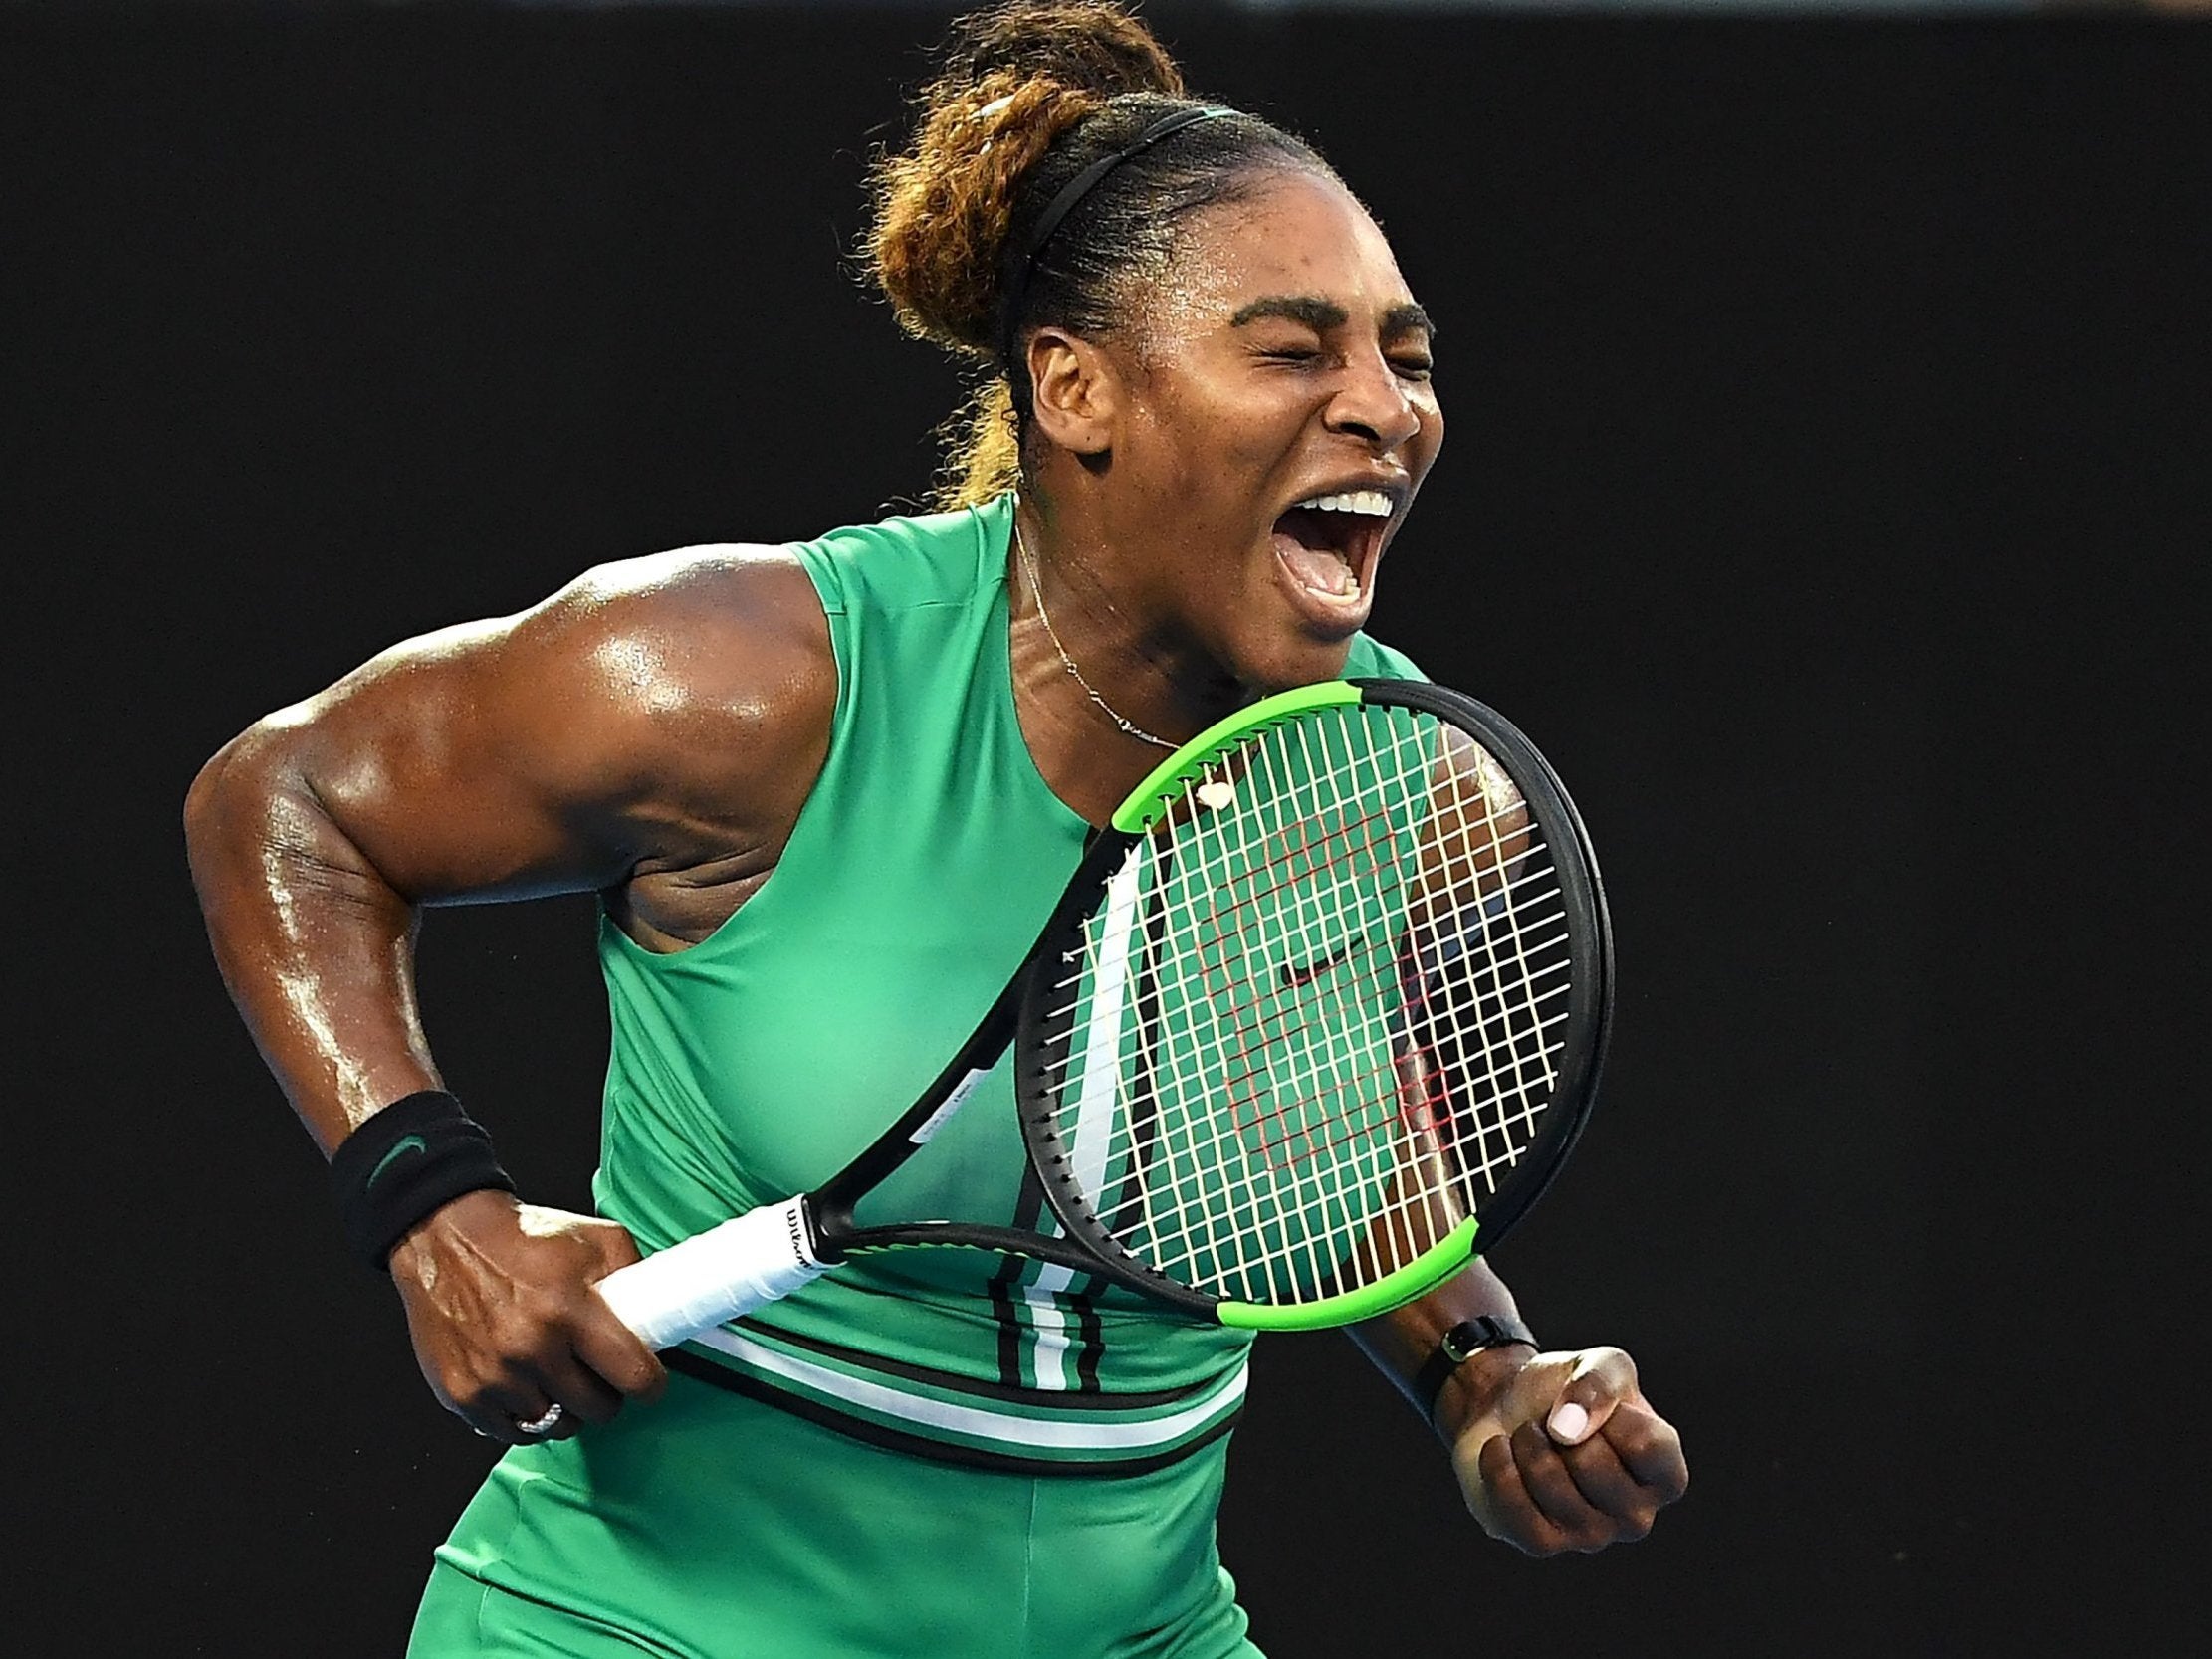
x=1028 y=94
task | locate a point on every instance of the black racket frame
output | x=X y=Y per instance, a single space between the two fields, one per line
x=1041 y=1057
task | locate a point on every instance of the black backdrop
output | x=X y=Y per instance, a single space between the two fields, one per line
x=1827 y=452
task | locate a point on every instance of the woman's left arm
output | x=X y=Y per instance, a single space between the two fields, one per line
x=1554 y=1451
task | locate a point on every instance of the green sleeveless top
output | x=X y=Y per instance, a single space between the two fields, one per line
x=756 y=1062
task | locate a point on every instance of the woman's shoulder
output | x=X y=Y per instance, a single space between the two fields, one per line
x=700 y=601
x=714 y=649
x=741 y=626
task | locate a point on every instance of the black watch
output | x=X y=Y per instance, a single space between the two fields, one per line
x=1459 y=1344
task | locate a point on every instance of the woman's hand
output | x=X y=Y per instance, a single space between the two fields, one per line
x=1569 y=1455
x=505 y=1321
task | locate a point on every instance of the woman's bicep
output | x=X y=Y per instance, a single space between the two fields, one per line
x=647 y=711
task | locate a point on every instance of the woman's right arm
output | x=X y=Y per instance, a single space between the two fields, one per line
x=659 y=720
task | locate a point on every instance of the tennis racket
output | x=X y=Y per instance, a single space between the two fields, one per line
x=1323 y=1008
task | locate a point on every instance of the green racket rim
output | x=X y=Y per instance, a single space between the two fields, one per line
x=1418 y=1276
x=1149 y=800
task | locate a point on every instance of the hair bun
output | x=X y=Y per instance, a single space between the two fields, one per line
x=1094 y=47
x=1014 y=78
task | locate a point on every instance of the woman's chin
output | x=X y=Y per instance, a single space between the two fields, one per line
x=1300 y=659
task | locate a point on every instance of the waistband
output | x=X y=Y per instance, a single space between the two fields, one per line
x=954 y=1419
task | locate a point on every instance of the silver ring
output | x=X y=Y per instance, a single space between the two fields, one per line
x=542 y=1422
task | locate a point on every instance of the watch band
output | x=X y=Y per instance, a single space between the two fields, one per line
x=1461 y=1342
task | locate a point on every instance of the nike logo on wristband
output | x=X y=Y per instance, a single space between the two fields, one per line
x=406 y=1143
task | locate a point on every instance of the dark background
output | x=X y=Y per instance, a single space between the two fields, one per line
x=1826 y=479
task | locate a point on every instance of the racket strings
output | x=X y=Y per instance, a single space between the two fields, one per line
x=1249 y=867
x=1251 y=1018
x=1318 y=1154
x=1247 y=1040
x=1316 y=1022
x=1231 y=1197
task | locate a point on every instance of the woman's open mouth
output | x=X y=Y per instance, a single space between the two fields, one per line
x=1326 y=547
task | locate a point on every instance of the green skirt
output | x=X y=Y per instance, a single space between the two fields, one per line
x=715 y=1526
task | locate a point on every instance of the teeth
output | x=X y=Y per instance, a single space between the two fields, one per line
x=1374 y=503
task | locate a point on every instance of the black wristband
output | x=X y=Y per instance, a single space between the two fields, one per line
x=1459 y=1344
x=408 y=1159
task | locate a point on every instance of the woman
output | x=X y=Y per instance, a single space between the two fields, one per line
x=829 y=789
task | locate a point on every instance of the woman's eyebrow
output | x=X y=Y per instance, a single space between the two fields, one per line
x=1322 y=316
x=1315 y=313
x=1407 y=318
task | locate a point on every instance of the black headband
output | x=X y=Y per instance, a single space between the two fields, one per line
x=1015 y=274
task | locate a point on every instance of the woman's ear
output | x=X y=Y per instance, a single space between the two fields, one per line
x=1078 y=392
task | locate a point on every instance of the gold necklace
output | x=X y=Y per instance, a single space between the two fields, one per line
x=1029 y=567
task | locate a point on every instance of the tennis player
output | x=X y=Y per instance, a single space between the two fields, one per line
x=826 y=794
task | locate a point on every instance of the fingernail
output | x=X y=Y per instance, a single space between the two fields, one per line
x=1570 y=1422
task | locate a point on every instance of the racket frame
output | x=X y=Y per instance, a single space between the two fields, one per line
x=1041 y=1057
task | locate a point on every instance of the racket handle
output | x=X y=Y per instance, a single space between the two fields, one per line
x=673 y=1295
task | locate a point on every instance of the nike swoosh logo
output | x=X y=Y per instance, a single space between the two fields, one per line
x=1308 y=973
x=407 y=1143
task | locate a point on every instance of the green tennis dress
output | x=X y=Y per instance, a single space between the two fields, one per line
x=925 y=1453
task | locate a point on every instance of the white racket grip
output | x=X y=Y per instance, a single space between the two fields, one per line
x=673 y=1295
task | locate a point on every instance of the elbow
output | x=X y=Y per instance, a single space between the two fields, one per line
x=202 y=800
x=205 y=801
